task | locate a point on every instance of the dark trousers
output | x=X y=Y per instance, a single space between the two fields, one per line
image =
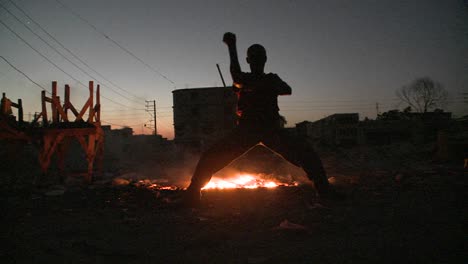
x=222 y=153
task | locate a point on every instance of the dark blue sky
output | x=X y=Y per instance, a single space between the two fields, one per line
x=338 y=56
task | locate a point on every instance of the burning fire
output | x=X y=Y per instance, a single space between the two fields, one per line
x=247 y=181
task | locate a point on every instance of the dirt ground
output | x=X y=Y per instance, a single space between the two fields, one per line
x=393 y=213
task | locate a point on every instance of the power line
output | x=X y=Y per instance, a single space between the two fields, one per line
x=24 y=74
x=115 y=42
x=61 y=54
x=343 y=100
x=72 y=53
x=55 y=65
x=122 y=112
x=109 y=123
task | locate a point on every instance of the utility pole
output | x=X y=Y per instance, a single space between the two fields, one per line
x=377 y=108
x=151 y=108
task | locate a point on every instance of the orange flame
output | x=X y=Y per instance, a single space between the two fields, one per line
x=247 y=181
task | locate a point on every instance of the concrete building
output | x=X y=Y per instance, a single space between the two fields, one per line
x=203 y=115
x=306 y=129
x=395 y=127
x=336 y=129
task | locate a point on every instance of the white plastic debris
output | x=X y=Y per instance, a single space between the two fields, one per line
x=317 y=206
x=286 y=225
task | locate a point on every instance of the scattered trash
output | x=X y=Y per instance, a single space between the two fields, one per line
x=120 y=182
x=161 y=180
x=317 y=206
x=286 y=225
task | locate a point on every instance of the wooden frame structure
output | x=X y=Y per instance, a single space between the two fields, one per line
x=9 y=128
x=57 y=134
x=54 y=136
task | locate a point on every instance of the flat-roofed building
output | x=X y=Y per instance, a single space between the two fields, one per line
x=203 y=115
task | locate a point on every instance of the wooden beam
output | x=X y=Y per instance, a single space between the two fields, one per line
x=98 y=104
x=91 y=104
x=53 y=102
x=20 y=111
x=66 y=100
x=83 y=110
x=60 y=110
x=44 y=109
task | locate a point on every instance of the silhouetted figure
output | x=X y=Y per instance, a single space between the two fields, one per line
x=259 y=121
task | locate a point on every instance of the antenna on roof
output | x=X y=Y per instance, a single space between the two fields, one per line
x=221 y=75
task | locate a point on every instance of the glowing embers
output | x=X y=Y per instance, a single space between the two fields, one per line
x=247 y=181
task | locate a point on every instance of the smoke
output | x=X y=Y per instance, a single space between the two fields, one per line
x=175 y=167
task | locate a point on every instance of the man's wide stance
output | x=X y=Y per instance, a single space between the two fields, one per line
x=259 y=121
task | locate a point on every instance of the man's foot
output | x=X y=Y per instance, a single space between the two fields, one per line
x=192 y=198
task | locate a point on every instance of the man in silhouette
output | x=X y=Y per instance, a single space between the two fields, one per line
x=259 y=121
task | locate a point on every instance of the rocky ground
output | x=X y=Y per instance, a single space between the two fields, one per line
x=400 y=207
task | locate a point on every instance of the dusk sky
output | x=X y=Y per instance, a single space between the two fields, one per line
x=338 y=56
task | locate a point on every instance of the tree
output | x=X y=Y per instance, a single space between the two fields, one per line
x=282 y=121
x=396 y=114
x=423 y=94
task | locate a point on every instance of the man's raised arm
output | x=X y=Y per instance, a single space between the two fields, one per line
x=230 y=40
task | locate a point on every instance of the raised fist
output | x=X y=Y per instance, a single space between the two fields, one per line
x=229 y=38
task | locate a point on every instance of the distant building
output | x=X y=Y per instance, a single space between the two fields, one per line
x=306 y=129
x=404 y=127
x=383 y=132
x=336 y=129
x=203 y=115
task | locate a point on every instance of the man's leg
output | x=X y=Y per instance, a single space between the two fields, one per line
x=302 y=154
x=217 y=157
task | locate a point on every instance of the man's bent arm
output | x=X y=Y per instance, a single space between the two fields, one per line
x=235 y=66
x=282 y=88
x=230 y=40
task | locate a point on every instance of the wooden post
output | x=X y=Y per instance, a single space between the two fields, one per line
x=54 y=101
x=98 y=103
x=90 y=155
x=66 y=99
x=44 y=109
x=20 y=111
x=61 y=153
x=68 y=104
x=91 y=102
x=3 y=104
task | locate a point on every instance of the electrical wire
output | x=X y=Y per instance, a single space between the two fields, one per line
x=55 y=65
x=61 y=54
x=115 y=42
x=24 y=74
x=72 y=53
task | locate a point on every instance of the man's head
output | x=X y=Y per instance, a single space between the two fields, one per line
x=256 y=57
